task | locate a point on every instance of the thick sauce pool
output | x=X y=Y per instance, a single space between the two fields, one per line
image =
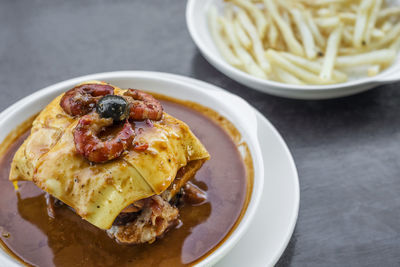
x=70 y=241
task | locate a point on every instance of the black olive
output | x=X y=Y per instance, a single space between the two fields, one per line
x=112 y=106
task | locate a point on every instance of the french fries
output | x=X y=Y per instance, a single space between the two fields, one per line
x=286 y=77
x=223 y=47
x=372 y=20
x=258 y=49
x=286 y=30
x=241 y=35
x=305 y=32
x=248 y=63
x=285 y=64
x=388 y=12
x=373 y=70
x=260 y=20
x=329 y=22
x=384 y=56
x=273 y=35
x=315 y=30
x=331 y=53
x=313 y=66
x=390 y=36
x=361 y=22
x=307 y=41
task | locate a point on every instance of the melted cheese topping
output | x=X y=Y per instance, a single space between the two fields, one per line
x=98 y=192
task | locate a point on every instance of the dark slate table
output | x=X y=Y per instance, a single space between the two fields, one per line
x=346 y=150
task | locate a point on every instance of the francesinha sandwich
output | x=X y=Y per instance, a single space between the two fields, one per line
x=114 y=157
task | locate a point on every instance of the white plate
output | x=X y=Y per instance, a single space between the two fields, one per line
x=276 y=217
x=275 y=220
x=196 y=20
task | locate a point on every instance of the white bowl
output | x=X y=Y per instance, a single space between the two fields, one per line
x=227 y=104
x=196 y=20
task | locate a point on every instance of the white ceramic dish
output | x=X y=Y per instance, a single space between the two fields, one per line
x=228 y=105
x=270 y=231
x=196 y=19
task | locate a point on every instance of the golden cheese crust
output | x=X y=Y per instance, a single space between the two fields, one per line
x=98 y=192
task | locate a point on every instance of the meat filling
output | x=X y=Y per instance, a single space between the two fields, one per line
x=154 y=219
x=147 y=219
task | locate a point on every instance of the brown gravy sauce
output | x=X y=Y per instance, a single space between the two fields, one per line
x=27 y=233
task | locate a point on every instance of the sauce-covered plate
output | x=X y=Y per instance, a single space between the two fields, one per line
x=92 y=179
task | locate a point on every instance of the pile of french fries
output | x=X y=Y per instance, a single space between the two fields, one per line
x=307 y=41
